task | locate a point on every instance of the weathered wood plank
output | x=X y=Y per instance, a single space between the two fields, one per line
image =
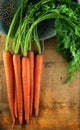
x=59 y=102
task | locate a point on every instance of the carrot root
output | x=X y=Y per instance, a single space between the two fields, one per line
x=31 y=57
x=16 y=107
x=18 y=80
x=38 y=75
x=9 y=73
x=26 y=87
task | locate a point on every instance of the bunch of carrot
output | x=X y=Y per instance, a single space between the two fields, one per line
x=23 y=78
x=23 y=69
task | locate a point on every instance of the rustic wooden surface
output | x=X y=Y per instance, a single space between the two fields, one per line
x=59 y=102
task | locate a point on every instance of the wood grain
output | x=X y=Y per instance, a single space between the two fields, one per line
x=59 y=102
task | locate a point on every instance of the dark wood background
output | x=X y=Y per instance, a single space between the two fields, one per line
x=59 y=102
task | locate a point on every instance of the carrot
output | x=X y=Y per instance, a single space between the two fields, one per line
x=31 y=57
x=37 y=81
x=26 y=87
x=16 y=105
x=18 y=80
x=9 y=73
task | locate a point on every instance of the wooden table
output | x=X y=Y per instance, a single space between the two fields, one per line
x=59 y=102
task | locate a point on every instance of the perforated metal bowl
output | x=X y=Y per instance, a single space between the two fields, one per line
x=7 y=10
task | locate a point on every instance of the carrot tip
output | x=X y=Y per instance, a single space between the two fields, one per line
x=27 y=120
x=16 y=116
x=14 y=121
x=20 y=120
x=36 y=113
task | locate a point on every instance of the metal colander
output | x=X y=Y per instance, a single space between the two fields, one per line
x=7 y=10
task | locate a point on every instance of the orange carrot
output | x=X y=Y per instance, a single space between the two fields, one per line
x=31 y=57
x=16 y=106
x=18 y=80
x=37 y=82
x=26 y=87
x=10 y=81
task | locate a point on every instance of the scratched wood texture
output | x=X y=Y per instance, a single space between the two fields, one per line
x=59 y=102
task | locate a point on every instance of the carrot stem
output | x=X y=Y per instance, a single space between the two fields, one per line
x=13 y=23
